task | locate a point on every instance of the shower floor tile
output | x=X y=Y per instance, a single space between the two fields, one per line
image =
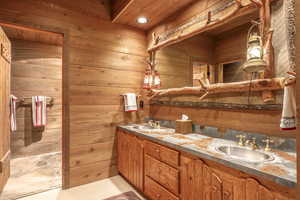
x=33 y=174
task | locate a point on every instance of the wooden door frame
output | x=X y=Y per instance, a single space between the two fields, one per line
x=297 y=10
x=65 y=91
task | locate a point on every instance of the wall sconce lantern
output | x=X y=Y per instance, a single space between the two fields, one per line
x=157 y=82
x=151 y=77
x=255 y=52
x=148 y=79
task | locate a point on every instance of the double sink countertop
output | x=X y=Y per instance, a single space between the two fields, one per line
x=281 y=169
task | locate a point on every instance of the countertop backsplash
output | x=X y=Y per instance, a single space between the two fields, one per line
x=283 y=144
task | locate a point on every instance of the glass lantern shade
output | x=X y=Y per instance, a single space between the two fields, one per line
x=157 y=81
x=148 y=79
x=255 y=53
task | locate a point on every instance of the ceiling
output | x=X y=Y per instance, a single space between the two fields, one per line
x=35 y=36
x=127 y=11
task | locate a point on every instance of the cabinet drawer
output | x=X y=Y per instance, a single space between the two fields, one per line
x=156 y=192
x=162 y=173
x=162 y=153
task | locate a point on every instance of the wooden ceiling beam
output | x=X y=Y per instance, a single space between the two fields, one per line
x=119 y=7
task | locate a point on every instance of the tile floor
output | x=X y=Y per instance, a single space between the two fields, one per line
x=33 y=174
x=94 y=191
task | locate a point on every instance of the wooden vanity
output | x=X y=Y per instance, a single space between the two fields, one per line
x=163 y=173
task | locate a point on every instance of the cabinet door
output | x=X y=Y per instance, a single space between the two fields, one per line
x=191 y=178
x=130 y=159
x=216 y=187
x=201 y=182
x=123 y=154
x=207 y=183
x=255 y=191
x=138 y=160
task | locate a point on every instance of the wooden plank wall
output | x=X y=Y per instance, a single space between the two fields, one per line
x=36 y=70
x=103 y=60
x=231 y=46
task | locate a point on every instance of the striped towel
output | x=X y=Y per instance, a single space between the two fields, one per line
x=39 y=111
x=13 y=114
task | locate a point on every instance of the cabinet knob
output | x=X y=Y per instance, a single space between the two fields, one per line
x=157 y=150
x=158 y=196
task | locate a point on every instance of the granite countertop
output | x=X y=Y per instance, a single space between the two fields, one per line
x=282 y=169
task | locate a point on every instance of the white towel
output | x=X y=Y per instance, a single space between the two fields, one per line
x=289 y=116
x=13 y=113
x=130 y=102
x=39 y=111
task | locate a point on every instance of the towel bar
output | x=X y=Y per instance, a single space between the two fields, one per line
x=27 y=101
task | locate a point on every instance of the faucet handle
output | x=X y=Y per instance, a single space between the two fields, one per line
x=241 y=139
x=268 y=141
x=151 y=122
x=157 y=124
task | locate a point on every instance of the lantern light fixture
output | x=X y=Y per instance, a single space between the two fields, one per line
x=156 y=80
x=255 y=52
x=148 y=79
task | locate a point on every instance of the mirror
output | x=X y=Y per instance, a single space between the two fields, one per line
x=216 y=56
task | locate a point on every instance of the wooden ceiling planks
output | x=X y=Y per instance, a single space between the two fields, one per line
x=92 y=8
x=127 y=11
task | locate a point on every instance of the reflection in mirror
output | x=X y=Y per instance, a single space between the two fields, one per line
x=233 y=72
x=214 y=59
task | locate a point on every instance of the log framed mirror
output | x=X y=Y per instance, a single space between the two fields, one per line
x=201 y=59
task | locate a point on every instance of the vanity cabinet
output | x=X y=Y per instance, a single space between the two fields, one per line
x=162 y=173
x=199 y=181
x=130 y=159
x=202 y=182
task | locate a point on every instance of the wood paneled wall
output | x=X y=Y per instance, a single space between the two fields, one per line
x=231 y=46
x=36 y=70
x=101 y=61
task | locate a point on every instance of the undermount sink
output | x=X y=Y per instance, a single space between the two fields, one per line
x=244 y=154
x=147 y=128
x=143 y=127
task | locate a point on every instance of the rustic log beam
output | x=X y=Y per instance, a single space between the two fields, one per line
x=267 y=34
x=184 y=34
x=243 y=86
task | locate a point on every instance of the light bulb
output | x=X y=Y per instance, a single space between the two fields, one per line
x=142 y=20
